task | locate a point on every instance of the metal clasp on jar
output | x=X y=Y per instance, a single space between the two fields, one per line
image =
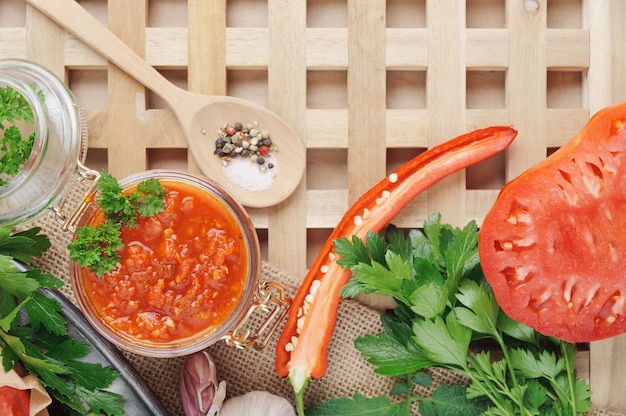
x=68 y=222
x=269 y=299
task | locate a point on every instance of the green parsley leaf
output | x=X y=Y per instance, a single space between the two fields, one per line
x=13 y=281
x=41 y=343
x=481 y=309
x=429 y=301
x=452 y=400
x=439 y=345
x=444 y=304
x=40 y=312
x=351 y=253
x=14 y=149
x=357 y=406
x=101 y=401
x=390 y=356
x=96 y=247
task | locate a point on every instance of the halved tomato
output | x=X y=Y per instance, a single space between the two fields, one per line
x=14 y=402
x=553 y=246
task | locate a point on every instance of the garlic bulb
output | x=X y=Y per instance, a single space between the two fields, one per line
x=200 y=392
x=257 y=403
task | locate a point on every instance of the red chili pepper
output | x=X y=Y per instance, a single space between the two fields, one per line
x=301 y=348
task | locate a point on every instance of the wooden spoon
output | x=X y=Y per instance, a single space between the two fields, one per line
x=200 y=116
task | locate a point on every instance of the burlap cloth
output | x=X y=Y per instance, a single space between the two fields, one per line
x=247 y=370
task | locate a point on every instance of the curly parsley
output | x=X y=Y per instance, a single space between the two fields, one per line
x=14 y=149
x=96 y=247
x=444 y=304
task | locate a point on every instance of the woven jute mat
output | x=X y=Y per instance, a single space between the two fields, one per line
x=248 y=370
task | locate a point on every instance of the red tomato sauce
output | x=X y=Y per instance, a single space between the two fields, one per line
x=181 y=272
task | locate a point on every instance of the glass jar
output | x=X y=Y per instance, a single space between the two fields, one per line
x=59 y=147
x=105 y=301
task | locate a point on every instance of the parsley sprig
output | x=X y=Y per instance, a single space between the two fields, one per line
x=444 y=307
x=41 y=342
x=96 y=247
x=14 y=149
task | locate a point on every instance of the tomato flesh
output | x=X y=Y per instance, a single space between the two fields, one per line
x=552 y=246
x=14 y=402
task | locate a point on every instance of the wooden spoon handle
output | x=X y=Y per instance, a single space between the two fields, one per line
x=76 y=20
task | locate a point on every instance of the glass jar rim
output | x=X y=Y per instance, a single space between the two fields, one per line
x=204 y=338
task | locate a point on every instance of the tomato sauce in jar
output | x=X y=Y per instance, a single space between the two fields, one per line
x=181 y=272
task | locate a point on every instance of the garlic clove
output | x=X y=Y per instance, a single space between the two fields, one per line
x=200 y=392
x=257 y=403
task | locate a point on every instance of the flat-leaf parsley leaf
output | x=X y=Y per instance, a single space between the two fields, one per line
x=444 y=305
x=41 y=343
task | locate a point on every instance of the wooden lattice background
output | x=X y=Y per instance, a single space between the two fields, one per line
x=366 y=83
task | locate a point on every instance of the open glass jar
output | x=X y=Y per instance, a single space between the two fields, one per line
x=59 y=142
x=187 y=277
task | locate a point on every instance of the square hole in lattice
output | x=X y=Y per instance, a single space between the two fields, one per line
x=249 y=85
x=485 y=13
x=397 y=157
x=326 y=13
x=406 y=13
x=176 y=77
x=316 y=237
x=327 y=89
x=550 y=150
x=167 y=13
x=406 y=89
x=263 y=235
x=326 y=169
x=485 y=89
x=565 y=89
x=97 y=159
x=89 y=88
x=565 y=14
x=98 y=8
x=246 y=13
x=168 y=159
x=489 y=174
x=12 y=13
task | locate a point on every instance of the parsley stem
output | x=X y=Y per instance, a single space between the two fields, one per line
x=507 y=358
x=571 y=378
x=484 y=383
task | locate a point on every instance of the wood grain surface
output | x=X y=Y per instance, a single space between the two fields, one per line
x=366 y=84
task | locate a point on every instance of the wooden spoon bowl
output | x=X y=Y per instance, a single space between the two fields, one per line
x=200 y=116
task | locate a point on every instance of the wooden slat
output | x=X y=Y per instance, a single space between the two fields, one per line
x=487 y=48
x=567 y=48
x=366 y=95
x=127 y=98
x=327 y=48
x=446 y=96
x=526 y=83
x=607 y=366
x=366 y=102
x=206 y=53
x=13 y=42
x=287 y=237
x=43 y=41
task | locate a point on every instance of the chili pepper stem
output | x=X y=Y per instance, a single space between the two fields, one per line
x=299 y=378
